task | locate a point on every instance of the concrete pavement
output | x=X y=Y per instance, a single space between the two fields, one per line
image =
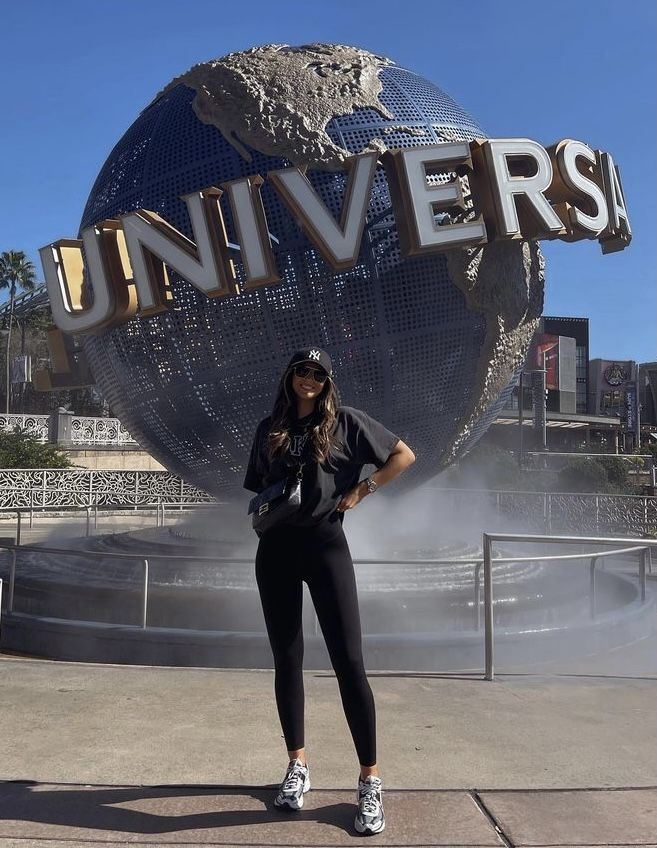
x=100 y=754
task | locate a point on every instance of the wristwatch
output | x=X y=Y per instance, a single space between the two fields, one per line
x=371 y=485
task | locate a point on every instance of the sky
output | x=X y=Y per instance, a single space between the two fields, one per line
x=76 y=75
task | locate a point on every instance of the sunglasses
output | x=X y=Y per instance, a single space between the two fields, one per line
x=304 y=371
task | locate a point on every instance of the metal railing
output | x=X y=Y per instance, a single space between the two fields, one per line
x=84 y=430
x=489 y=538
x=552 y=512
x=638 y=464
x=159 y=506
x=108 y=555
x=630 y=546
x=60 y=487
x=563 y=512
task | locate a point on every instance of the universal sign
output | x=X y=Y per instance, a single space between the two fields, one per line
x=519 y=190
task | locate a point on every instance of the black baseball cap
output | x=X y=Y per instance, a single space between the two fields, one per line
x=314 y=355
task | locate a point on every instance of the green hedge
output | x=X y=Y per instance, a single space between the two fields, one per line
x=492 y=467
x=20 y=449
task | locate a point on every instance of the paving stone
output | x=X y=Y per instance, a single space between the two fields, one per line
x=169 y=815
x=576 y=817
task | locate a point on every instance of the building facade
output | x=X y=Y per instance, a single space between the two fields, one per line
x=648 y=393
x=595 y=404
x=612 y=389
x=567 y=376
x=561 y=346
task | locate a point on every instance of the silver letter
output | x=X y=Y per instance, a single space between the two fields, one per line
x=339 y=244
x=618 y=233
x=152 y=242
x=63 y=270
x=507 y=190
x=566 y=154
x=417 y=202
x=252 y=231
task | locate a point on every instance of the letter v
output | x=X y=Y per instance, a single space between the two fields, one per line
x=338 y=244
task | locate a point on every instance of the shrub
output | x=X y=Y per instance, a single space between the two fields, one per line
x=583 y=474
x=487 y=466
x=650 y=449
x=21 y=449
x=616 y=470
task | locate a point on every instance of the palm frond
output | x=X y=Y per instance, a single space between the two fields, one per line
x=16 y=270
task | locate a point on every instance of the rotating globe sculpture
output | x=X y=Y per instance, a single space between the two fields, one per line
x=429 y=346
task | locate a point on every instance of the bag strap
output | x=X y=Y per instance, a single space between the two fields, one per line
x=304 y=455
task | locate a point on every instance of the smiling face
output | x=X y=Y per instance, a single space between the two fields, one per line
x=306 y=388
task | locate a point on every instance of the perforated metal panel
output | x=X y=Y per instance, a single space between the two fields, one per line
x=191 y=385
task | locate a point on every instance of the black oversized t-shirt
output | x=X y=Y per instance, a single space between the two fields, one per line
x=363 y=441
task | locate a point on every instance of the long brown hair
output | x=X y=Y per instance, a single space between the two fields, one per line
x=321 y=435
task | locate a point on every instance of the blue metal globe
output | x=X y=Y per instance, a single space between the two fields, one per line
x=414 y=342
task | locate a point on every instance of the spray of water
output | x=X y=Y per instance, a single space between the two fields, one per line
x=428 y=522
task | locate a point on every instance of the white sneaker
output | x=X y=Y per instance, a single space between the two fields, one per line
x=370 y=818
x=295 y=783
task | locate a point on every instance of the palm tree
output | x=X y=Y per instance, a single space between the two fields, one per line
x=15 y=270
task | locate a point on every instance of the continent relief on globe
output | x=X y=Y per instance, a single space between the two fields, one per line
x=279 y=99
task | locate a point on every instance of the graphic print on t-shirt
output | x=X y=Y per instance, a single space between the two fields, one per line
x=297 y=444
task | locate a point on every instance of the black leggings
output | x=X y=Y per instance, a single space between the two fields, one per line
x=319 y=555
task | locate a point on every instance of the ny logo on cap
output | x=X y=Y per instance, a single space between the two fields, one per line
x=314 y=354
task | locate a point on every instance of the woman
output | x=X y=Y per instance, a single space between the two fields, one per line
x=334 y=442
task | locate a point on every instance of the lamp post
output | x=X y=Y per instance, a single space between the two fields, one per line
x=540 y=404
x=637 y=387
x=538 y=388
x=521 y=396
x=6 y=333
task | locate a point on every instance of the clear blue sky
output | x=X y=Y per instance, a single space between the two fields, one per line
x=76 y=74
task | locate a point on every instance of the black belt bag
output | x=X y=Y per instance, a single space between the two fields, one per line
x=276 y=503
